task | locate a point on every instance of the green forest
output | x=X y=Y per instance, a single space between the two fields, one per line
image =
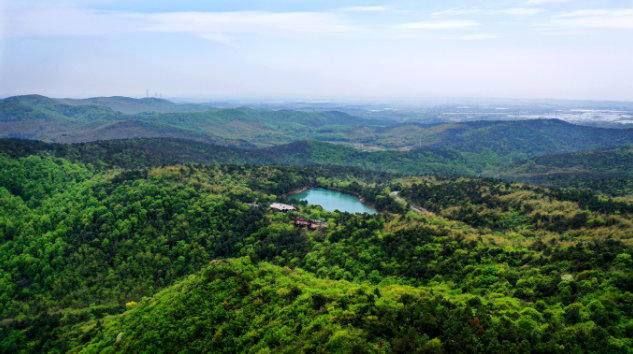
x=157 y=246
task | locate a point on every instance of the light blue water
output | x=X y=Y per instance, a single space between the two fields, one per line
x=333 y=200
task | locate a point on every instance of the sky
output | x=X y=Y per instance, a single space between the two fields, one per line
x=561 y=49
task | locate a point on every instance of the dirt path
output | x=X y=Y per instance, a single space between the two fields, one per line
x=414 y=207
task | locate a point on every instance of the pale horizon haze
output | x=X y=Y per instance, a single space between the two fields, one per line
x=541 y=49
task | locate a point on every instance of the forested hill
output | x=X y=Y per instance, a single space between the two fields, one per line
x=53 y=121
x=133 y=106
x=607 y=171
x=179 y=259
x=143 y=153
x=38 y=117
x=122 y=104
x=617 y=162
x=530 y=137
x=42 y=118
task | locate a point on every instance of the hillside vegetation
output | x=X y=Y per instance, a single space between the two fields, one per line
x=606 y=171
x=173 y=259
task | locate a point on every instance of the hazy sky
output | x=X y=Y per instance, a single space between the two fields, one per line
x=517 y=49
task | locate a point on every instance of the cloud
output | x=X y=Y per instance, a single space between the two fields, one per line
x=521 y=11
x=564 y=32
x=437 y=25
x=598 y=12
x=539 y=2
x=457 y=11
x=366 y=8
x=587 y=19
x=223 y=27
x=228 y=26
x=474 y=37
x=470 y=37
x=50 y=20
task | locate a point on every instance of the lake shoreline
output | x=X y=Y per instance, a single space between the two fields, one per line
x=300 y=190
x=360 y=199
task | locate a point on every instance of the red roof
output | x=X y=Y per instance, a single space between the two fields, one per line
x=302 y=219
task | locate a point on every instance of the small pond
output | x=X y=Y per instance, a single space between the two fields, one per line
x=332 y=200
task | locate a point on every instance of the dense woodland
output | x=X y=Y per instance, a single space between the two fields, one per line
x=137 y=251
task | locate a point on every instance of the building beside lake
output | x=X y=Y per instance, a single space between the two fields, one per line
x=284 y=208
x=311 y=224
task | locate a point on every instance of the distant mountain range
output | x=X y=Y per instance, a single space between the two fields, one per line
x=39 y=117
x=118 y=103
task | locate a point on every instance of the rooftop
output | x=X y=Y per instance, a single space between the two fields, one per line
x=282 y=207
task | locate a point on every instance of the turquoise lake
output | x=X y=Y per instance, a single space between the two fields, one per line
x=332 y=200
